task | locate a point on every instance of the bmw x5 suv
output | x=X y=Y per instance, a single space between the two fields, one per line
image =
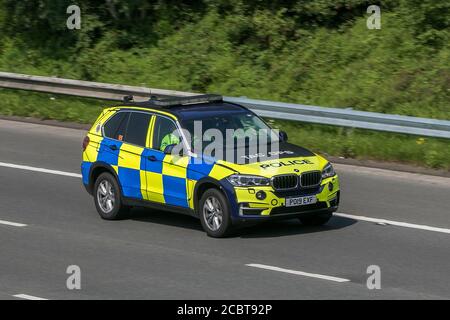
x=200 y=155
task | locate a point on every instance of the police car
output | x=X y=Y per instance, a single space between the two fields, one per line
x=205 y=157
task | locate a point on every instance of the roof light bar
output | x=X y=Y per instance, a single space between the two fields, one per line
x=169 y=102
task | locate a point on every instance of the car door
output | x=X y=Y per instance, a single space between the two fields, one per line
x=131 y=168
x=166 y=174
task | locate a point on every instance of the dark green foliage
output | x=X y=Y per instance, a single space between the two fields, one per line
x=316 y=52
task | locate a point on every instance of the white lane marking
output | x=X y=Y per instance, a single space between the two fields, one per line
x=394 y=223
x=394 y=175
x=14 y=224
x=344 y=215
x=28 y=297
x=56 y=172
x=299 y=273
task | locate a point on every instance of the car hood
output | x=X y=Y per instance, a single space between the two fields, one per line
x=288 y=158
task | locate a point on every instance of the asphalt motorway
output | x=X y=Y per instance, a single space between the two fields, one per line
x=397 y=221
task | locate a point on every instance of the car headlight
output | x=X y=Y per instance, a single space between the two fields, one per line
x=239 y=180
x=328 y=171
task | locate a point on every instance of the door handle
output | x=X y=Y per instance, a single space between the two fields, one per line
x=152 y=158
x=113 y=147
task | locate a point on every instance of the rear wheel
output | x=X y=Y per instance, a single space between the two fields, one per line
x=214 y=213
x=107 y=197
x=316 y=219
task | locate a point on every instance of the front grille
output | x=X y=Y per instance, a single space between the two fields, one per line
x=285 y=182
x=297 y=192
x=310 y=179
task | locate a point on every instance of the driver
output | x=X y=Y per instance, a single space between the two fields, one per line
x=169 y=139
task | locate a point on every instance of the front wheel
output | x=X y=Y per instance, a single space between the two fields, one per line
x=316 y=219
x=214 y=213
x=107 y=198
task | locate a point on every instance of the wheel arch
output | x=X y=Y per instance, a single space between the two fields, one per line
x=201 y=186
x=96 y=170
x=207 y=183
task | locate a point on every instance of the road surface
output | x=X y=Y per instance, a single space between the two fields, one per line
x=399 y=222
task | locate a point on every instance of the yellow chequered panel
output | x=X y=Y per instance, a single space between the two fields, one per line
x=218 y=172
x=179 y=161
x=190 y=186
x=143 y=177
x=91 y=152
x=155 y=187
x=130 y=156
x=175 y=166
x=95 y=139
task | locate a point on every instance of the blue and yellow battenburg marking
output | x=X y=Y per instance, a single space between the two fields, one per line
x=164 y=179
x=146 y=173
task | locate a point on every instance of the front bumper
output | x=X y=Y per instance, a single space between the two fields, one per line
x=273 y=205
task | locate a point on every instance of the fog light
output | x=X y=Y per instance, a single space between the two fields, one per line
x=261 y=195
x=330 y=186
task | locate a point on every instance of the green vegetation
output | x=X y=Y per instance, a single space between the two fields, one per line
x=316 y=52
x=365 y=144
x=46 y=106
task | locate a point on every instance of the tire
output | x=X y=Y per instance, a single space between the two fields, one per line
x=316 y=219
x=106 y=187
x=214 y=213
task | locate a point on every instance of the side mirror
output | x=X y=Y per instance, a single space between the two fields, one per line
x=169 y=149
x=283 y=136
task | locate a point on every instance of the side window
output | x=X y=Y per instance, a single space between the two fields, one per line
x=115 y=127
x=137 y=128
x=163 y=133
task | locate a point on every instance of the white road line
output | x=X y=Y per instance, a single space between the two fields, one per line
x=394 y=223
x=14 y=224
x=28 y=297
x=56 y=172
x=299 y=273
x=344 y=215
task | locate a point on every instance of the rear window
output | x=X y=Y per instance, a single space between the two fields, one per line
x=115 y=127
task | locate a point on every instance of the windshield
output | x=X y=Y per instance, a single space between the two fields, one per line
x=230 y=130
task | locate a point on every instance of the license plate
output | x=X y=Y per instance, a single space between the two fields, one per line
x=300 y=201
